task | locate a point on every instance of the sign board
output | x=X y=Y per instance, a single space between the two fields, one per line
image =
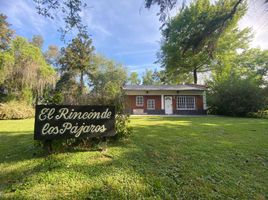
x=66 y=121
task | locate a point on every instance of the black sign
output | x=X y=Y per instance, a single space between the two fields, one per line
x=65 y=121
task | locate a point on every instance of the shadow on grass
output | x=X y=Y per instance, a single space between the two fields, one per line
x=169 y=161
x=17 y=146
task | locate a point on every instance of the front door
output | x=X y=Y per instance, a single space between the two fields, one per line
x=168 y=105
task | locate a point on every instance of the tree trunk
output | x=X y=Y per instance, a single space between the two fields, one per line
x=81 y=82
x=195 y=76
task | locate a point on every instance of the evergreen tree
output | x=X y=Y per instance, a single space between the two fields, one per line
x=77 y=59
x=5 y=33
x=38 y=41
x=134 y=79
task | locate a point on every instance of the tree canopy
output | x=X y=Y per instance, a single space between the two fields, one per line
x=38 y=41
x=77 y=58
x=5 y=33
x=107 y=81
x=238 y=84
x=190 y=38
x=27 y=74
x=52 y=55
x=151 y=77
x=24 y=72
x=134 y=79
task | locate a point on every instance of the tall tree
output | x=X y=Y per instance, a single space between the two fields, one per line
x=52 y=55
x=66 y=89
x=151 y=77
x=5 y=33
x=38 y=41
x=147 y=77
x=190 y=38
x=77 y=58
x=210 y=26
x=6 y=59
x=134 y=79
x=239 y=75
x=234 y=54
x=164 y=77
x=253 y=63
x=107 y=81
x=229 y=48
x=155 y=77
x=28 y=73
x=158 y=77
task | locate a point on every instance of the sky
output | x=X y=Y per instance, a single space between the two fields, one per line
x=122 y=30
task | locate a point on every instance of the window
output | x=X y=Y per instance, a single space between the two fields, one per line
x=186 y=103
x=150 y=104
x=139 y=100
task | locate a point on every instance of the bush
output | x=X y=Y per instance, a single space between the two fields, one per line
x=16 y=110
x=259 y=114
x=235 y=96
x=26 y=95
x=122 y=128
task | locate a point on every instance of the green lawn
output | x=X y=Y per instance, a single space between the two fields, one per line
x=165 y=158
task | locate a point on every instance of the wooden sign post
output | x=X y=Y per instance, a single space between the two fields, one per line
x=66 y=121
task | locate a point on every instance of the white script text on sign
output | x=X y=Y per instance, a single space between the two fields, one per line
x=55 y=122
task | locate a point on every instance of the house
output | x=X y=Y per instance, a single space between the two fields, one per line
x=184 y=99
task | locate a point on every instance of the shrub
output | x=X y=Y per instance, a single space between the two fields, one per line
x=16 y=110
x=122 y=128
x=235 y=96
x=26 y=95
x=259 y=114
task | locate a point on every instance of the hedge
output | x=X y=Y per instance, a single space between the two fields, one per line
x=16 y=110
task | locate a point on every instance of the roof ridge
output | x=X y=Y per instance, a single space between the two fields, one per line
x=165 y=87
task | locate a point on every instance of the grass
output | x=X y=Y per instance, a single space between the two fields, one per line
x=165 y=158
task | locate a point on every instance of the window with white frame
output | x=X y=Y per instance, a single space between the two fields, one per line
x=150 y=104
x=139 y=100
x=186 y=103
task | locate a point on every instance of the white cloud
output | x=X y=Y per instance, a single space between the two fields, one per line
x=142 y=67
x=93 y=25
x=21 y=13
x=135 y=52
x=122 y=30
